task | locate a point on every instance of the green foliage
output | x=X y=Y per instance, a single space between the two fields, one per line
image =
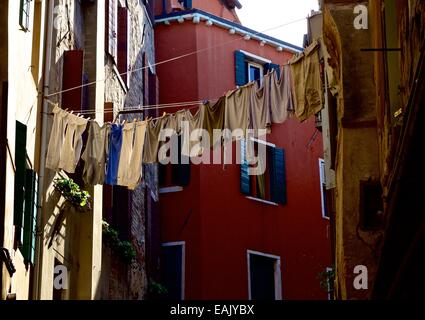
x=156 y=288
x=123 y=248
x=72 y=193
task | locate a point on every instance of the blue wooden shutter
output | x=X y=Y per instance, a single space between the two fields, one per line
x=241 y=69
x=188 y=4
x=277 y=176
x=20 y=164
x=272 y=66
x=30 y=218
x=245 y=183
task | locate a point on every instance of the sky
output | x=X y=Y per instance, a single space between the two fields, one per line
x=262 y=15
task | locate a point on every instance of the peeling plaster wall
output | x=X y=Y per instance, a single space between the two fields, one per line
x=357 y=143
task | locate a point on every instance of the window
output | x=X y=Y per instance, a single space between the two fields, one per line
x=173 y=269
x=24 y=14
x=255 y=73
x=270 y=187
x=25 y=202
x=123 y=44
x=371 y=205
x=250 y=67
x=173 y=175
x=264 y=276
x=111 y=32
x=187 y=4
x=322 y=173
x=20 y=177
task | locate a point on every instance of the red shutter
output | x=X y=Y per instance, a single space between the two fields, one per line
x=72 y=76
x=122 y=41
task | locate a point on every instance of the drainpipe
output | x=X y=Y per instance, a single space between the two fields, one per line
x=46 y=82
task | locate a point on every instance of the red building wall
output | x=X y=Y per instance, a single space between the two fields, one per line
x=217 y=222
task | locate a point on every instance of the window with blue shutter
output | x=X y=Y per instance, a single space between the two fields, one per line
x=20 y=175
x=248 y=68
x=30 y=216
x=245 y=179
x=271 y=186
x=187 y=4
x=241 y=69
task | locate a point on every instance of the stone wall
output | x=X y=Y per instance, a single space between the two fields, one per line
x=140 y=45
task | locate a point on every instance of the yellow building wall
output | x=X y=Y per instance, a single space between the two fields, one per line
x=358 y=157
x=78 y=246
x=22 y=106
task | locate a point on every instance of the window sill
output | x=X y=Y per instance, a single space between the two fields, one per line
x=262 y=201
x=170 y=189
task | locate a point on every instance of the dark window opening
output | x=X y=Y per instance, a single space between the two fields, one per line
x=172 y=266
x=371 y=205
x=262 y=277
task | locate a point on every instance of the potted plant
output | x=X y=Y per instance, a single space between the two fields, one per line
x=123 y=248
x=156 y=290
x=77 y=198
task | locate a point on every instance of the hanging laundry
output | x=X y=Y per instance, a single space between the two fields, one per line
x=95 y=153
x=192 y=142
x=237 y=110
x=130 y=164
x=214 y=120
x=281 y=97
x=171 y=130
x=115 y=143
x=70 y=151
x=60 y=120
x=152 y=140
x=308 y=91
x=259 y=110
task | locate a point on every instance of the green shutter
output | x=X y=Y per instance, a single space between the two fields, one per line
x=20 y=164
x=30 y=218
x=241 y=69
x=277 y=176
x=272 y=66
x=245 y=183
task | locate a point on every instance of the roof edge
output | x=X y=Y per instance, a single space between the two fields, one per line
x=231 y=25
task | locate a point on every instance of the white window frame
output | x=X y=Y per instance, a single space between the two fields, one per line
x=277 y=273
x=255 y=65
x=170 y=189
x=322 y=174
x=183 y=245
x=255 y=198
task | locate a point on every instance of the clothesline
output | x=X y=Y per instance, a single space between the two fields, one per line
x=140 y=107
x=114 y=153
x=172 y=59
